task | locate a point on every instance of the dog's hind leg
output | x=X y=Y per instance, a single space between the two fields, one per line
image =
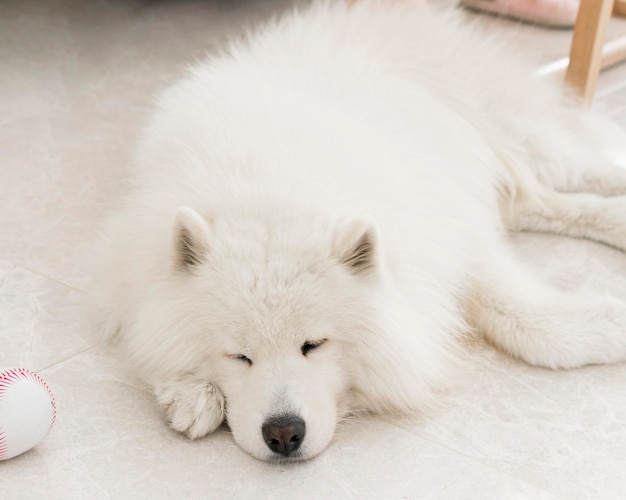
x=579 y=215
x=569 y=164
x=603 y=178
x=535 y=322
x=542 y=325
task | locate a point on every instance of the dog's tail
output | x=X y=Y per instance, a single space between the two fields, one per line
x=542 y=325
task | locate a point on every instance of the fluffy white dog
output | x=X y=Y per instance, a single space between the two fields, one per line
x=318 y=215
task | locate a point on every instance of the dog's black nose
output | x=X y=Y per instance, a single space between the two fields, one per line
x=284 y=433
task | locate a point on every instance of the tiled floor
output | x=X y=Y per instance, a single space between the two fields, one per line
x=75 y=80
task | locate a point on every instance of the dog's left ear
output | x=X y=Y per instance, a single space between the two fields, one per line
x=356 y=245
x=191 y=237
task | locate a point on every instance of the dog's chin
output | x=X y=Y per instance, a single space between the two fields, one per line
x=276 y=458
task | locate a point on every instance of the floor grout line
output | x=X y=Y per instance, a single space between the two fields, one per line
x=58 y=281
x=69 y=357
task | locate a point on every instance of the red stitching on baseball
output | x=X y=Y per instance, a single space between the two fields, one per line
x=3 y=444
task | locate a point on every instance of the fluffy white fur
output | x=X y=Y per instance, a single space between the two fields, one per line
x=317 y=215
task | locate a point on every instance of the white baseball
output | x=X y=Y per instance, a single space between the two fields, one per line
x=27 y=411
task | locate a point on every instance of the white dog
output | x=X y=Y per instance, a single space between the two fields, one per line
x=318 y=215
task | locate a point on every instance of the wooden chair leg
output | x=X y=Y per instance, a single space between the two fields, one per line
x=587 y=43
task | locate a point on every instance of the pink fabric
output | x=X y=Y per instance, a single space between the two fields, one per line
x=551 y=12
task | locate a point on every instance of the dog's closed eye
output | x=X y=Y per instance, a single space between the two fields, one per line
x=309 y=345
x=241 y=357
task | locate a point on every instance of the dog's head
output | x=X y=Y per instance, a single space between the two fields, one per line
x=277 y=305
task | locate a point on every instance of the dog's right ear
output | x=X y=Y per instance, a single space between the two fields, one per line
x=356 y=245
x=191 y=235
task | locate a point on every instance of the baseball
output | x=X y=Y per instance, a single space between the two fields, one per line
x=27 y=411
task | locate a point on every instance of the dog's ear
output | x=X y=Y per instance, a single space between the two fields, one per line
x=356 y=244
x=191 y=236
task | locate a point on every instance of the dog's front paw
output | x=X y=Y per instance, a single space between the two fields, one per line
x=192 y=407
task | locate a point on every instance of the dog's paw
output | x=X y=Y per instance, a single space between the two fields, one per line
x=192 y=407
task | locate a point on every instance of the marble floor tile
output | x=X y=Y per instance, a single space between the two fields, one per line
x=562 y=432
x=59 y=172
x=39 y=320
